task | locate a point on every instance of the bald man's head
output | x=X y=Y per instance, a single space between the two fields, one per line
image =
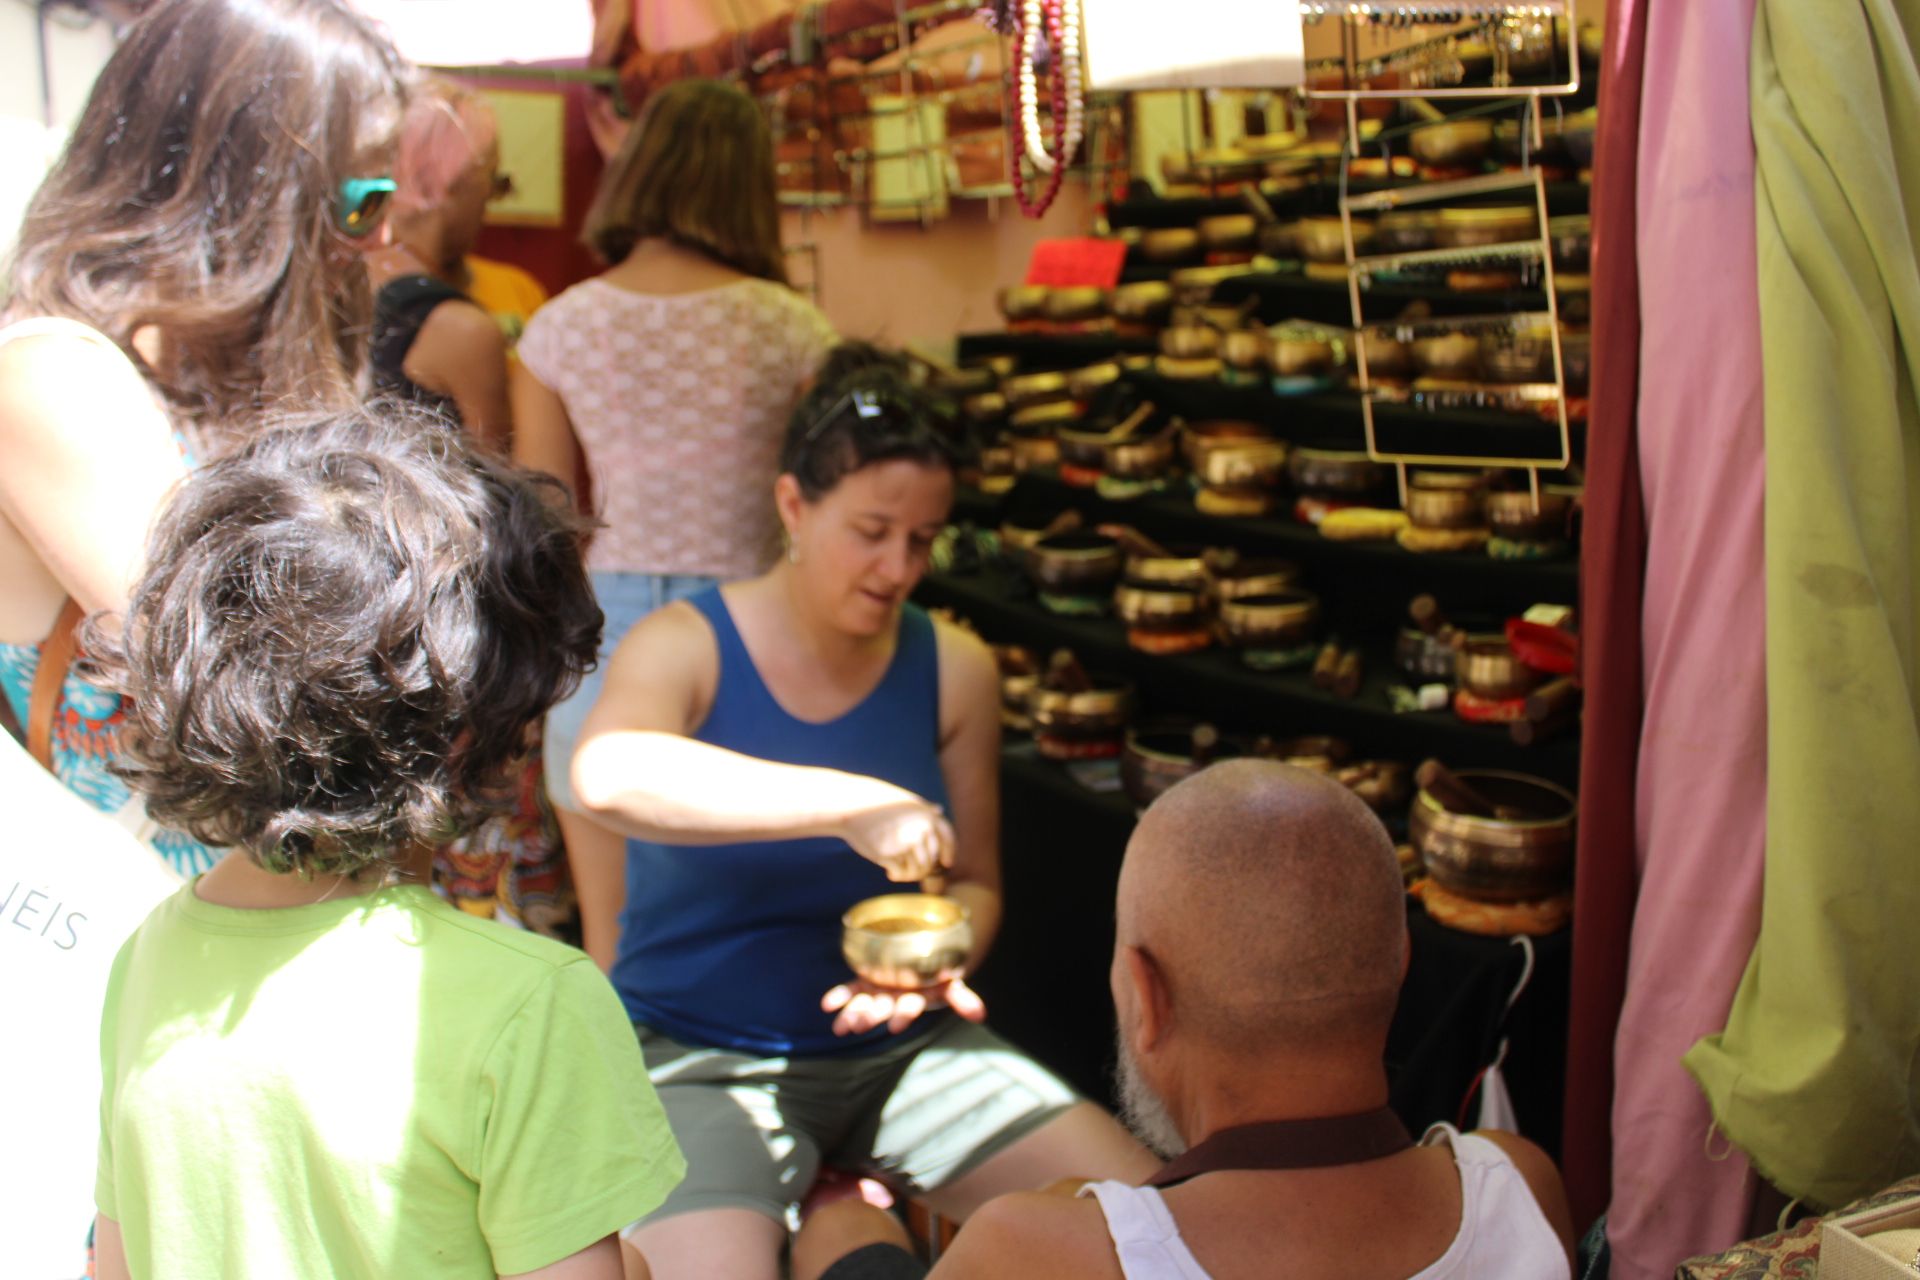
x=1270 y=899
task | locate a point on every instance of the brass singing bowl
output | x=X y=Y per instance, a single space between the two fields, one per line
x=1228 y=232
x=1080 y=563
x=1034 y=388
x=1388 y=357
x=1257 y=576
x=1298 y=353
x=1487 y=667
x=1452 y=144
x=1249 y=464
x=1154 y=605
x=1188 y=370
x=1245 y=349
x=1452 y=354
x=907 y=941
x=1078 y=302
x=1140 y=459
x=1169 y=244
x=1023 y=301
x=1190 y=342
x=1267 y=621
x=1405 y=230
x=1082 y=383
x=1499 y=859
x=1446 y=508
x=984 y=407
x=1089 y=713
x=1179 y=568
x=1198 y=438
x=1033 y=450
x=1474 y=227
x=1324 y=239
x=1157 y=756
x=1046 y=415
x=1512 y=515
x=1081 y=447
x=1143 y=300
x=1334 y=472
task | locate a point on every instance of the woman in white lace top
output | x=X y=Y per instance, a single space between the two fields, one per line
x=671 y=374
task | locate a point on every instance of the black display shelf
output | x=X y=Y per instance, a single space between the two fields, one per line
x=1037 y=351
x=1318 y=198
x=1216 y=684
x=1462 y=581
x=1289 y=296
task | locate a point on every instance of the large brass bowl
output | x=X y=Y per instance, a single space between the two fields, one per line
x=1075 y=563
x=1158 y=607
x=907 y=941
x=1499 y=859
x=1254 y=576
x=1157 y=756
x=1271 y=621
x=1250 y=464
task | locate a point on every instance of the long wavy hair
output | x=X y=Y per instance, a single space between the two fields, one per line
x=196 y=196
x=696 y=169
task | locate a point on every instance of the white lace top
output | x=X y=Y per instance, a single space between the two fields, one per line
x=679 y=402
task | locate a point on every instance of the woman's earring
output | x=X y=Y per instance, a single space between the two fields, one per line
x=793 y=552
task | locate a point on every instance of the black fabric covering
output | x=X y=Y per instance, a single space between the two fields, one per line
x=877 y=1262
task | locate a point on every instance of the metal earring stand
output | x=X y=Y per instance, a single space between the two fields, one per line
x=1410 y=16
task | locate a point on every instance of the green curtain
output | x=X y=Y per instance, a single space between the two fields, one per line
x=1815 y=1074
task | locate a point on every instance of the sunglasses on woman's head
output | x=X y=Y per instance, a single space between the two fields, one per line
x=864 y=403
x=360 y=205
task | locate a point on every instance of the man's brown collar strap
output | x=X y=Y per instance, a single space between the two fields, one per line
x=1319 y=1143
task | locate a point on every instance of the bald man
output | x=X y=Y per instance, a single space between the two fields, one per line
x=1260 y=947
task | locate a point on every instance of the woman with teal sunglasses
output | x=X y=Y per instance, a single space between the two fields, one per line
x=191 y=261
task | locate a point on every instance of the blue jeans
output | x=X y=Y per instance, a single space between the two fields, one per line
x=625 y=598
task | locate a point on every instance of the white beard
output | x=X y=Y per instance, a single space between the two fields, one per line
x=1141 y=1109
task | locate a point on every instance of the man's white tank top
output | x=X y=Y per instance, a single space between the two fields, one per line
x=1503 y=1233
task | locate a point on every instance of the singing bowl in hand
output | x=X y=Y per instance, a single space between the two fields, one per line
x=907 y=941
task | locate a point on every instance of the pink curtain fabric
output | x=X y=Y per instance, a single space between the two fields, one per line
x=1679 y=1188
x=1613 y=566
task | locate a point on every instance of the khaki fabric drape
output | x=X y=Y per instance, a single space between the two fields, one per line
x=1814 y=1076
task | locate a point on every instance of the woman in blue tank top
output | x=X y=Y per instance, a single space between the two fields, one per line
x=776 y=750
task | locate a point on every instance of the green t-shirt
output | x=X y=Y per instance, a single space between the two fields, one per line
x=371 y=1086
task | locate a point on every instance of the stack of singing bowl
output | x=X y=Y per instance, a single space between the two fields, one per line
x=1447 y=511
x=1236 y=465
x=1272 y=630
x=1075 y=572
x=1525 y=527
x=1081 y=724
x=1523 y=856
x=1167 y=601
x=1327 y=480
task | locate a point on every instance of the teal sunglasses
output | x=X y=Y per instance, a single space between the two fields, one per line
x=361 y=204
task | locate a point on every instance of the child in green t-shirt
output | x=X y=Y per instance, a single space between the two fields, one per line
x=313 y=1067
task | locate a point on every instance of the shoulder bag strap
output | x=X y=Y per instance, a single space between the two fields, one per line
x=56 y=657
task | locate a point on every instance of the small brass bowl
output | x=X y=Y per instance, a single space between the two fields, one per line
x=1324 y=239
x=1023 y=301
x=1158 y=755
x=984 y=407
x=1270 y=621
x=1085 y=714
x=1169 y=244
x=1245 y=349
x=1082 y=383
x=1333 y=472
x=1198 y=438
x=1298 y=351
x=1081 y=447
x=1078 y=302
x=1405 y=230
x=1146 y=301
x=1452 y=354
x=1488 y=668
x=1182 y=567
x=1052 y=413
x=1156 y=607
x=1499 y=859
x=1146 y=459
x=1452 y=144
x=1075 y=563
x=1034 y=388
x=1446 y=508
x=1474 y=227
x=1251 y=464
x=1511 y=514
x=907 y=941
x=1190 y=341
x=1033 y=450
x=1194 y=370
x=1254 y=576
